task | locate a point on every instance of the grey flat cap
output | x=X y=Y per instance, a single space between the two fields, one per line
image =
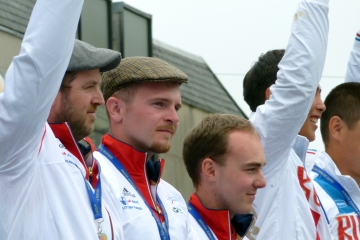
x=140 y=69
x=88 y=57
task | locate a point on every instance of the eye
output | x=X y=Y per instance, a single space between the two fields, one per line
x=251 y=170
x=159 y=104
x=88 y=87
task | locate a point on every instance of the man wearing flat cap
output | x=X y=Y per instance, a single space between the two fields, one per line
x=47 y=190
x=142 y=98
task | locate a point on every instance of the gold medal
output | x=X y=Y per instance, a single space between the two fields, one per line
x=102 y=236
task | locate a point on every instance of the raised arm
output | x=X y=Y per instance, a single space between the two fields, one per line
x=353 y=67
x=34 y=77
x=279 y=120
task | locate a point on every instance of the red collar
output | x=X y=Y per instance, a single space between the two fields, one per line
x=217 y=220
x=62 y=131
x=134 y=162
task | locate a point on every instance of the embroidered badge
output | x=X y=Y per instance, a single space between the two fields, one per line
x=177 y=210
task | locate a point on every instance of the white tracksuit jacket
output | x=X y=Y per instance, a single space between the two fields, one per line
x=138 y=222
x=344 y=222
x=42 y=197
x=287 y=208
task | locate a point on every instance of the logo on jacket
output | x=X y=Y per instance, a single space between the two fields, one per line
x=129 y=203
x=127 y=193
x=177 y=210
x=172 y=199
x=340 y=203
x=123 y=201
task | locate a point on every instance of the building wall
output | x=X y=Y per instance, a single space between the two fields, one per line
x=175 y=171
x=9 y=47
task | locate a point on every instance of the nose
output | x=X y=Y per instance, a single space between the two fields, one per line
x=260 y=182
x=320 y=105
x=98 y=98
x=173 y=116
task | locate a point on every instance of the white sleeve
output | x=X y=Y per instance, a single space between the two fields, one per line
x=353 y=67
x=280 y=119
x=34 y=77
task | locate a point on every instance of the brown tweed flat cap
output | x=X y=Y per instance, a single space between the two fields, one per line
x=139 y=69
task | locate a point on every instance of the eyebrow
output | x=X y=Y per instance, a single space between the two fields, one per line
x=255 y=164
x=92 y=82
x=179 y=105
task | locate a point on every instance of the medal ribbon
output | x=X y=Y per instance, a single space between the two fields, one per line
x=200 y=221
x=330 y=180
x=163 y=233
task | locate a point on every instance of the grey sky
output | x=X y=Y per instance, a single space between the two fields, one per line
x=231 y=34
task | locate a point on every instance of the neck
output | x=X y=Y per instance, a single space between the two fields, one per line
x=149 y=155
x=345 y=162
x=117 y=133
x=209 y=199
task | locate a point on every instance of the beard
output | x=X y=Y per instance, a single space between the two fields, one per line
x=158 y=147
x=76 y=118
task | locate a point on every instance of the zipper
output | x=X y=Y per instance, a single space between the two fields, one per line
x=155 y=205
x=90 y=174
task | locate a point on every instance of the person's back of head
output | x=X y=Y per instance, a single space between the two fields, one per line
x=343 y=102
x=260 y=77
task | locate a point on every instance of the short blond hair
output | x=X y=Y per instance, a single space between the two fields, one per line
x=209 y=139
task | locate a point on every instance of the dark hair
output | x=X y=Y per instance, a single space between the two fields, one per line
x=209 y=139
x=261 y=76
x=67 y=79
x=343 y=101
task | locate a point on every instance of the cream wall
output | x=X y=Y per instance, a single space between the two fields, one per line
x=9 y=47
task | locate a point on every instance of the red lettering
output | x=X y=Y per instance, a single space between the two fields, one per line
x=354 y=228
x=316 y=218
x=303 y=178
x=343 y=225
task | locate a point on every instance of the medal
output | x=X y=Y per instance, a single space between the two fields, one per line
x=102 y=236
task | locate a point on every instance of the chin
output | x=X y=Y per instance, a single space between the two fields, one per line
x=311 y=138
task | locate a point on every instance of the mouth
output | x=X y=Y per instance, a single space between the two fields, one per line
x=170 y=130
x=92 y=114
x=251 y=194
x=314 y=119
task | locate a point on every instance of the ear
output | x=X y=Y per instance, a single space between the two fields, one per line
x=267 y=94
x=336 y=126
x=115 y=108
x=208 y=170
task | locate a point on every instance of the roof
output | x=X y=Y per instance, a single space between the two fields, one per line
x=204 y=90
x=15 y=14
